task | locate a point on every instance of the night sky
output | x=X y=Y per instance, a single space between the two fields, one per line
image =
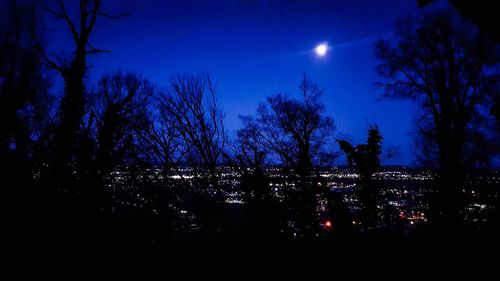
x=255 y=49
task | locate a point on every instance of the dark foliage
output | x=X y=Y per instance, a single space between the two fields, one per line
x=445 y=65
x=365 y=159
x=124 y=176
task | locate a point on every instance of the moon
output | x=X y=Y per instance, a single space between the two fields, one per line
x=321 y=49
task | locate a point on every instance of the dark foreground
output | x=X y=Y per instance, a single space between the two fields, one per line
x=132 y=247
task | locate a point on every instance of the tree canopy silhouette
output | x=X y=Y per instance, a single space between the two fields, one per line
x=297 y=130
x=191 y=103
x=112 y=131
x=24 y=104
x=72 y=68
x=251 y=159
x=443 y=64
x=23 y=80
x=366 y=160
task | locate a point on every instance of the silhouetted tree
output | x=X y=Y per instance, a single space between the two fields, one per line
x=24 y=92
x=443 y=64
x=297 y=132
x=161 y=145
x=162 y=141
x=121 y=113
x=191 y=103
x=72 y=69
x=481 y=13
x=250 y=160
x=24 y=86
x=115 y=124
x=365 y=159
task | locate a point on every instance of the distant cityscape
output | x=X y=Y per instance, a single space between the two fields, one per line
x=403 y=199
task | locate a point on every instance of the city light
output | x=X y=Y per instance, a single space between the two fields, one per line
x=328 y=224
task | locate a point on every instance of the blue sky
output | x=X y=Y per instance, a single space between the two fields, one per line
x=255 y=48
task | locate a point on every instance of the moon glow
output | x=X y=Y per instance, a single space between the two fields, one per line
x=321 y=49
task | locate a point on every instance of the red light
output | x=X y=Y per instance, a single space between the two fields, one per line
x=328 y=224
x=401 y=215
